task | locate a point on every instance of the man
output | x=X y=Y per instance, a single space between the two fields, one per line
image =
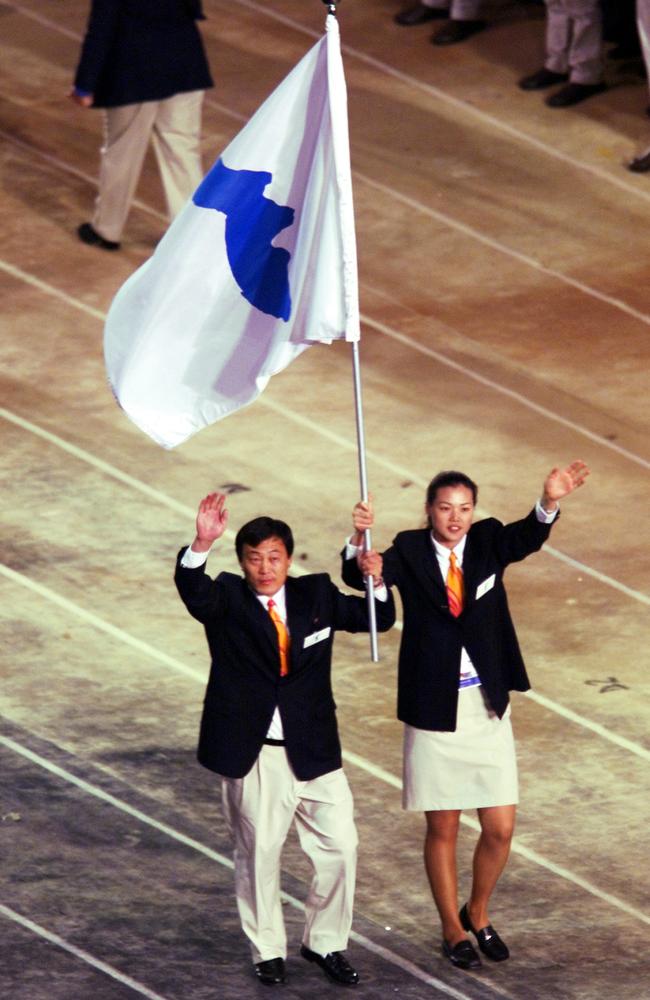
x=143 y=62
x=459 y=659
x=461 y=16
x=269 y=729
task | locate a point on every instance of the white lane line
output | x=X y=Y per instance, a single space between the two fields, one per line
x=101 y=625
x=99 y=793
x=98 y=463
x=438 y=95
x=517 y=848
x=401 y=470
x=430 y=352
x=594 y=727
x=200 y=675
x=155 y=654
x=495 y=244
x=412 y=203
x=595 y=574
x=443 y=97
x=395 y=335
x=43 y=286
x=44 y=21
x=195 y=845
x=65 y=167
x=345 y=443
x=79 y=953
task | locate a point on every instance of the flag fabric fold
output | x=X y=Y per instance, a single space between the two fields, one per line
x=259 y=265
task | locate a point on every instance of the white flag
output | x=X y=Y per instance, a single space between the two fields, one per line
x=260 y=264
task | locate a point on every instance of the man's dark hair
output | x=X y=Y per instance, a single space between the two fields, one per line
x=258 y=530
x=450 y=478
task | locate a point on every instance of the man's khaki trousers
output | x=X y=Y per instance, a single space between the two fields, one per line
x=259 y=809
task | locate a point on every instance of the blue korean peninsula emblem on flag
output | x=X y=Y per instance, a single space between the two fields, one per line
x=241 y=284
x=252 y=223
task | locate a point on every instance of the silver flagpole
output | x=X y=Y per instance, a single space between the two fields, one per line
x=363 y=480
x=361 y=448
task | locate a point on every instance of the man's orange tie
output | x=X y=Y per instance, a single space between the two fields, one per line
x=455 y=588
x=283 y=638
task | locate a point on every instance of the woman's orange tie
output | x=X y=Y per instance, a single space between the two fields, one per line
x=283 y=638
x=455 y=588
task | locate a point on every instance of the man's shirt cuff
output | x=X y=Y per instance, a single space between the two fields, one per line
x=192 y=560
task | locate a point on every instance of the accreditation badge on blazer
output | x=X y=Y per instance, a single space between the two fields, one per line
x=487 y=584
x=311 y=640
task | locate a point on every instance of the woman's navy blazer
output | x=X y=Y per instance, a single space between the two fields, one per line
x=432 y=639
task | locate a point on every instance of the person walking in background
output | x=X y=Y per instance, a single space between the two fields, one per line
x=461 y=17
x=574 y=53
x=269 y=730
x=459 y=659
x=641 y=164
x=143 y=63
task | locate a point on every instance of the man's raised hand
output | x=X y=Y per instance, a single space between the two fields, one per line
x=211 y=521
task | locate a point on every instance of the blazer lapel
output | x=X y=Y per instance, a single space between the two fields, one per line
x=423 y=563
x=297 y=619
x=469 y=572
x=430 y=567
x=262 y=625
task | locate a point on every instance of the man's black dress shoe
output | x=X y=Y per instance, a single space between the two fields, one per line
x=271 y=972
x=573 y=93
x=420 y=14
x=541 y=79
x=456 y=31
x=488 y=940
x=335 y=965
x=641 y=164
x=88 y=235
x=462 y=955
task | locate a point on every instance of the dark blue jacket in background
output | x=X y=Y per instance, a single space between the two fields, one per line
x=142 y=50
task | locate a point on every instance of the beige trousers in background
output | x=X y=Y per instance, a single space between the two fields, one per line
x=574 y=39
x=643 y=24
x=459 y=10
x=174 y=127
x=259 y=809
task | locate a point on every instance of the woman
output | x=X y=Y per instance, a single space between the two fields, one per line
x=459 y=658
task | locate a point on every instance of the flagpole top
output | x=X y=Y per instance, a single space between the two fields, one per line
x=331 y=6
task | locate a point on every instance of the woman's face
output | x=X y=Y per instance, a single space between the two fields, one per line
x=451 y=514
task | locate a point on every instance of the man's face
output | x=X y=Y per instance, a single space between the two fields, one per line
x=266 y=566
x=451 y=514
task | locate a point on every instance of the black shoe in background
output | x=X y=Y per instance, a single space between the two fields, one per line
x=88 y=235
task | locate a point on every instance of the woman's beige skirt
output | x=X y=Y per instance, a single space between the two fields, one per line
x=472 y=768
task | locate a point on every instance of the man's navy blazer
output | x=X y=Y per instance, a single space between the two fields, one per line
x=245 y=686
x=432 y=639
x=142 y=50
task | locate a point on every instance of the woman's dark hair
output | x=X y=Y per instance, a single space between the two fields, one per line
x=450 y=478
x=258 y=530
